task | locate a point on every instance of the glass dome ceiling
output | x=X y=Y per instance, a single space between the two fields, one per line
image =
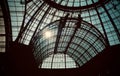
x=29 y=17
x=73 y=37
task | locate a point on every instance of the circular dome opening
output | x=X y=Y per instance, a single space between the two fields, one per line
x=72 y=5
x=75 y=3
x=76 y=38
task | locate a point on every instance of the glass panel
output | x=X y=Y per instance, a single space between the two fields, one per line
x=59 y=61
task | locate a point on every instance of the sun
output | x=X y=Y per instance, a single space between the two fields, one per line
x=48 y=34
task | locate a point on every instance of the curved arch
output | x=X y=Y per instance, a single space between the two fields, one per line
x=67 y=8
x=82 y=35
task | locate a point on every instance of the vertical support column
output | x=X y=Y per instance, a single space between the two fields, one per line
x=78 y=25
x=52 y=61
x=65 y=60
x=7 y=21
x=60 y=26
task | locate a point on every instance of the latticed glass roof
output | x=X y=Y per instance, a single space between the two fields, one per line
x=38 y=13
x=32 y=17
x=76 y=38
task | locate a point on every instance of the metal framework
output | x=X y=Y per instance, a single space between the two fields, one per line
x=74 y=29
x=29 y=19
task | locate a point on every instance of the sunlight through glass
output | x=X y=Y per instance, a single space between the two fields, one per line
x=48 y=34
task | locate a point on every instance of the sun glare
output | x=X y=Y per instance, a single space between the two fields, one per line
x=48 y=34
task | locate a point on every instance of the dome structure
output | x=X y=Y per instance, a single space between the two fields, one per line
x=74 y=37
x=79 y=29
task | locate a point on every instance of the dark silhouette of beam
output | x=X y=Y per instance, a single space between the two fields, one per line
x=60 y=27
x=7 y=21
x=76 y=28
